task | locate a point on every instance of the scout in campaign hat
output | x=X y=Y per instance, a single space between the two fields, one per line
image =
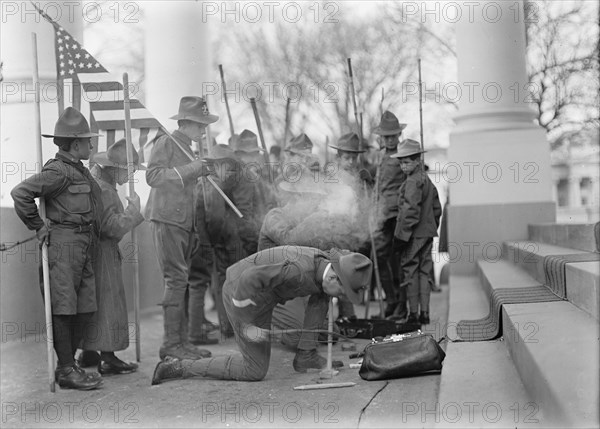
x=194 y=109
x=247 y=142
x=407 y=148
x=349 y=143
x=300 y=145
x=389 y=125
x=71 y=124
x=354 y=271
x=116 y=156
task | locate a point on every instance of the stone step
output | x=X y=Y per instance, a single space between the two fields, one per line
x=572 y=235
x=529 y=255
x=503 y=274
x=471 y=368
x=467 y=300
x=555 y=348
x=583 y=286
x=480 y=387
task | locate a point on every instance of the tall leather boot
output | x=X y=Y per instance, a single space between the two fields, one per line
x=173 y=344
x=198 y=328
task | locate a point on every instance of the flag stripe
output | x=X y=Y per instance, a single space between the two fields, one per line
x=97 y=106
x=102 y=86
x=135 y=123
x=110 y=138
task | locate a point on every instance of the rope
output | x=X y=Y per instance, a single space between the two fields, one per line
x=5 y=246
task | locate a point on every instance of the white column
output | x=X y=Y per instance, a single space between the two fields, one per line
x=499 y=160
x=178 y=56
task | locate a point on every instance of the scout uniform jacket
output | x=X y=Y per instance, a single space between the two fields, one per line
x=388 y=183
x=419 y=207
x=259 y=282
x=171 y=198
x=72 y=196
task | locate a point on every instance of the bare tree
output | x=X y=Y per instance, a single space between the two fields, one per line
x=308 y=62
x=563 y=66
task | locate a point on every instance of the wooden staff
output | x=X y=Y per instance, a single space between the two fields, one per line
x=287 y=123
x=260 y=133
x=225 y=97
x=131 y=188
x=358 y=126
x=375 y=268
x=207 y=135
x=421 y=110
x=42 y=210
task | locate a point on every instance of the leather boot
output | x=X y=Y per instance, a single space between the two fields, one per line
x=183 y=351
x=424 y=318
x=390 y=308
x=169 y=369
x=306 y=359
x=69 y=377
x=412 y=318
x=110 y=365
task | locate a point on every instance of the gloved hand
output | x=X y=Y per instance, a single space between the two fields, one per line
x=43 y=234
x=399 y=245
x=194 y=169
x=365 y=176
x=134 y=203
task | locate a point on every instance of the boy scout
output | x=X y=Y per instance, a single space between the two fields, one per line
x=73 y=204
x=419 y=212
x=390 y=177
x=170 y=210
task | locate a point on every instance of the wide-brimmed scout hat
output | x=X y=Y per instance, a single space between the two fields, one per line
x=304 y=185
x=349 y=143
x=247 y=142
x=300 y=144
x=408 y=147
x=389 y=125
x=72 y=124
x=116 y=156
x=221 y=152
x=194 y=109
x=354 y=271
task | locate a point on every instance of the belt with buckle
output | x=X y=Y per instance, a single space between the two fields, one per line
x=76 y=228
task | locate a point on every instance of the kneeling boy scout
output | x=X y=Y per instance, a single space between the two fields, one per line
x=253 y=287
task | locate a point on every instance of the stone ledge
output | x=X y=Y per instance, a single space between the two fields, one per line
x=575 y=236
x=480 y=387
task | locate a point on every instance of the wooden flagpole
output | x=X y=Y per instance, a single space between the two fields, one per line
x=260 y=134
x=130 y=175
x=421 y=111
x=224 y=91
x=42 y=209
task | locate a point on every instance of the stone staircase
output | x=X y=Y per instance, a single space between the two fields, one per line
x=542 y=370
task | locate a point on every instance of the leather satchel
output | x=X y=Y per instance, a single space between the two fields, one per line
x=394 y=359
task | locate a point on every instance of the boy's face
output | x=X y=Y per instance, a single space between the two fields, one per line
x=391 y=142
x=347 y=160
x=83 y=147
x=408 y=165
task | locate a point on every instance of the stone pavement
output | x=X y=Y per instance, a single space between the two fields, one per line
x=130 y=401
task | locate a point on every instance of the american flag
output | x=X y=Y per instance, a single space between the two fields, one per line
x=87 y=86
